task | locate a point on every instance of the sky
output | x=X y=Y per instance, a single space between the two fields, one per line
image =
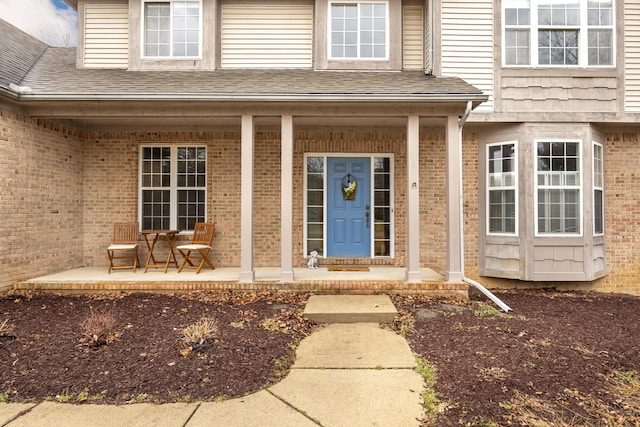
x=51 y=21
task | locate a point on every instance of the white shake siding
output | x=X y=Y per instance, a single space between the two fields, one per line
x=273 y=36
x=632 y=56
x=106 y=36
x=467 y=44
x=413 y=38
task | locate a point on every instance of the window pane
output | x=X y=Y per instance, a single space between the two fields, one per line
x=598 y=211
x=559 y=207
x=600 y=47
x=382 y=198
x=560 y=26
x=315 y=231
x=315 y=181
x=315 y=165
x=382 y=164
x=315 y=214
x=314 y=198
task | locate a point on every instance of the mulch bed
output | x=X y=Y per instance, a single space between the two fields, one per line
x=48 y=355
x=559 y=359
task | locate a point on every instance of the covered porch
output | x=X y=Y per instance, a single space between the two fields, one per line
x=256 y=138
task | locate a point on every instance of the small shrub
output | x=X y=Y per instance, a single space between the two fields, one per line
x=199 y=332
x=5 y=328
x=98 y=328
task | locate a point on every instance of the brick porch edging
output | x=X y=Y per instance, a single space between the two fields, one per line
x=460 y=290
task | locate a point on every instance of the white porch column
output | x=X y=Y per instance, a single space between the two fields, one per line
x=455 y=261
x=413 y=200
x=247 y=273
x=286 y=200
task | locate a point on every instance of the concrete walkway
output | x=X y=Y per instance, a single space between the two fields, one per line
x=352 y=374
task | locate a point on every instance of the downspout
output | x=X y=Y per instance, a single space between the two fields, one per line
x=429 y=45
x=485 y=291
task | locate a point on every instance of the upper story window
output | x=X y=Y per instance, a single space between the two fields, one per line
x=173 y=187
x=502 y=184
x=172 y=29
x=558 y=188
x=359 y=30
x=558 y=33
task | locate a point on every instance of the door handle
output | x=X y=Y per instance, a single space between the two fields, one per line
x=367 y=215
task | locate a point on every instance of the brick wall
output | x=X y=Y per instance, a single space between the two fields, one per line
x=41 y=197
x=622 y=212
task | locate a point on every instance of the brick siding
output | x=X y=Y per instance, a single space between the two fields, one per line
x=41 y=197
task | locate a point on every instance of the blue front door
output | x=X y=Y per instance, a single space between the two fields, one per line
x=348 y=221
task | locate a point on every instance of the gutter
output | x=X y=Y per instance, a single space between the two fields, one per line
x=66 y=96
x=461 y=121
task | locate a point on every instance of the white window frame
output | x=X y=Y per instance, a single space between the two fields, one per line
x=359 y=31
x=598 y=171
x=582 y=27
x=143 y=35
x=513 y=187
x=305 y=202
x=578 y=187
x=173 y=187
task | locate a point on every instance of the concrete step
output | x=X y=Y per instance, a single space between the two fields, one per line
x=350 y=309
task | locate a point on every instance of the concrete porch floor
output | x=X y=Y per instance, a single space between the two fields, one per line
x=378 y=279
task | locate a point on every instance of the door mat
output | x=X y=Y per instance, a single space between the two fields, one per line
x=348 y=268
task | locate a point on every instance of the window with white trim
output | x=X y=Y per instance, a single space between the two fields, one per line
x=173 y=187
x=558 y=33
x=558 y=207
x=598 y=189
x=172 y=29
x=502 y=183
x=358 y=30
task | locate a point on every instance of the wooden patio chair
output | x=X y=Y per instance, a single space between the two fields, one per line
x=124 y=246
x=198 y=249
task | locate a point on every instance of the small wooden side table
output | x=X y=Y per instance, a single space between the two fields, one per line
x=170 y=238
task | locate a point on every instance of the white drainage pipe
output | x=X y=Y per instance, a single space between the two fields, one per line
x=491 y=296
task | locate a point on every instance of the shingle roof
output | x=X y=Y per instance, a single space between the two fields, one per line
x=56 y=74
x=19 y=53
x=51 y=73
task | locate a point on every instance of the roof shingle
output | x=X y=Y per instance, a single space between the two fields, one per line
x=20 y=52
